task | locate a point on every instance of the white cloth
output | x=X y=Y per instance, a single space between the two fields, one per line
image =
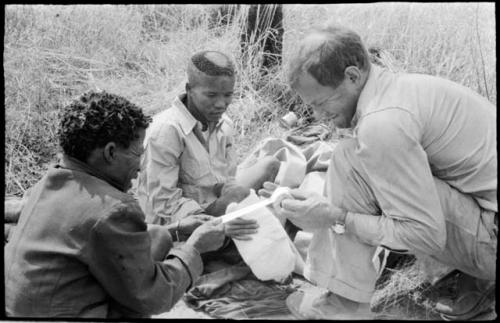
x=270 y=254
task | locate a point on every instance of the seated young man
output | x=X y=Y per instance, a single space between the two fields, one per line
x=189 y=165
x=81 y=247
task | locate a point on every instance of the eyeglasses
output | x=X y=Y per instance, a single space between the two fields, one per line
x=132 y=152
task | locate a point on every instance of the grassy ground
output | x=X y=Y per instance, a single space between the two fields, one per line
x=53 y=53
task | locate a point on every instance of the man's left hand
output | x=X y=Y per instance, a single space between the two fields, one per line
x=308 y=210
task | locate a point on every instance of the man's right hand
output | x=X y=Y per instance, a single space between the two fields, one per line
x=207 y=237
x=187 y=225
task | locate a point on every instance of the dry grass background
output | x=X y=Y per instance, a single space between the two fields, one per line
x=53 y=53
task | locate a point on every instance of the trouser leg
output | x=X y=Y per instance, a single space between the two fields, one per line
x=471 y=234
x=352 y=273
x=471 y=231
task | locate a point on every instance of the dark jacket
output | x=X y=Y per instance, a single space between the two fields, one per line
x=83 y=249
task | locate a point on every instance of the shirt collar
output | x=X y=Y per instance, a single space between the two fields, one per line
x=367 y=93
x=69 y=162
x=187 y=121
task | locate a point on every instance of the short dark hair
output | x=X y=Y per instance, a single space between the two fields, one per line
x=204 y=62
x=97 y=118
x=327 y=61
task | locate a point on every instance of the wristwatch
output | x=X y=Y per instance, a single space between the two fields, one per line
x=339 y=227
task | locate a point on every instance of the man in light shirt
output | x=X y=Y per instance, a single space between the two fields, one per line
x=189 y=164
x=419 y=176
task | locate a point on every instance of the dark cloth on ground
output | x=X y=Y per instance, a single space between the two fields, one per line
x=235 y=293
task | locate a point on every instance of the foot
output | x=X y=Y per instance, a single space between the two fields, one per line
x=473 y=297
x=326 y=306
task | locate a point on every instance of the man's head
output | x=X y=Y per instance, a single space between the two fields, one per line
x=329 y=70
x=211 y=78
x=105 y=131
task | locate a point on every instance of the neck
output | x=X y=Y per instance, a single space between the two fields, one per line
x=194 y=112
x=90 y=167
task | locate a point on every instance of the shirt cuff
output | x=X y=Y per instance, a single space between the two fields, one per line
x=191 y=260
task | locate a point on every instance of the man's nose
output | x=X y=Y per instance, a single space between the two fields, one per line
x=222 y=103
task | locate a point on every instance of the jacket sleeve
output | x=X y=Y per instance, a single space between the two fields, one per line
x=398 y=169
x=119 y=255
x=160 y=176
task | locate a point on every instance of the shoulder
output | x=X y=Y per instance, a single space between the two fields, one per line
x=166 y=126
x=124 y=213
x=388 y=127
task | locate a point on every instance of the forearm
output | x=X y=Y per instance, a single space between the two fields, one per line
x=120 y=258
x=400 y=235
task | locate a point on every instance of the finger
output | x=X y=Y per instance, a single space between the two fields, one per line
x=232 y=232
x=294 y=206
x=242 y=238
x=233 y=228
x=242 y=221
x=215 y=221
x=231 y=207
x=264 y=193
x=270 y=186
x=299 y=194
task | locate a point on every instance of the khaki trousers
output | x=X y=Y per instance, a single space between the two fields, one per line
x=349 y=267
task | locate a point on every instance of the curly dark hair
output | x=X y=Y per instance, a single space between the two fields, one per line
x=97 y=118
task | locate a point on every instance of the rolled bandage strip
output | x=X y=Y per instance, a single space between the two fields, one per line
x=278 y=194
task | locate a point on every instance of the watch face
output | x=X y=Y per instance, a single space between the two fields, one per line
x=339 y=228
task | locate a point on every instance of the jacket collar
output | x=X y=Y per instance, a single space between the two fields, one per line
x=367 y=93
x=68 y=162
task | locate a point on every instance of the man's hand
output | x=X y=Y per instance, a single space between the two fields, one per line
x=240 y=228
x=229 y=193
x=308 y=210
x=207 y=237
x=186 y=226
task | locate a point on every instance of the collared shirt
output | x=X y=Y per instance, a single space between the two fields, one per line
x=411 y=128
x=82 y=249
x=178 y=172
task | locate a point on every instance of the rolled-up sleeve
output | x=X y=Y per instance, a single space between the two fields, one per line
x=397 y=167
x=119 y=255
x=160 y=177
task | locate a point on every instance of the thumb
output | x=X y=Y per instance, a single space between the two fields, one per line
x=269 y=186
x=299 y=194
x=293 y=206
x=231 y=207
x=216 y=221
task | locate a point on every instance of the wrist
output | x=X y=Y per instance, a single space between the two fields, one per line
x=339 y=226
x=174 y=230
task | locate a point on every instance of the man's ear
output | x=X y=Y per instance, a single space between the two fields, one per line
x=109 y=152
x=352 y=74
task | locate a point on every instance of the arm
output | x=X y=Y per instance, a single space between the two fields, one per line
x=160 y=177
x=119 y=257
x=398 y=169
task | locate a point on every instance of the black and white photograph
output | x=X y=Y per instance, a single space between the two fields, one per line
x=285 y=161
